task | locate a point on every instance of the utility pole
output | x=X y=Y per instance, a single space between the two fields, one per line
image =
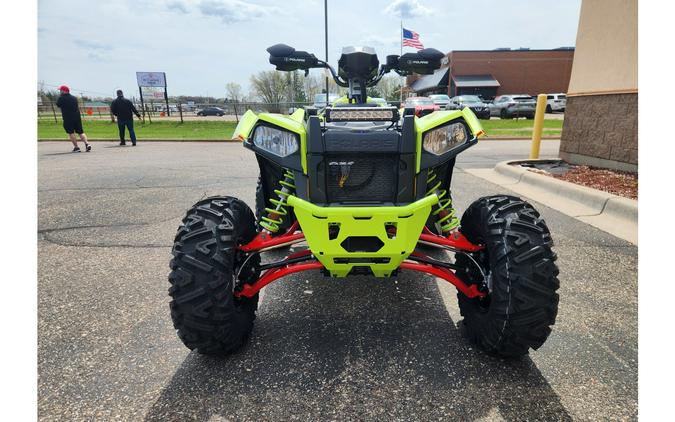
x=325 y=24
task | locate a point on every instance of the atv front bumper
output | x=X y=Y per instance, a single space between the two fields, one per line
x=375 y=238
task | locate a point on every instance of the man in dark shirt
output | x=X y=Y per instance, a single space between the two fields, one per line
x=72 y=122
x=122 y=109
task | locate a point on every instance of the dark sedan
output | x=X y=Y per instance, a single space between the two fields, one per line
x=479 y=108
x=211 y=111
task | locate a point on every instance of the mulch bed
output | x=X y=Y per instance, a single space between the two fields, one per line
x=613 y=181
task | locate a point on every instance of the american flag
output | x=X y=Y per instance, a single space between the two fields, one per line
x=412 y=39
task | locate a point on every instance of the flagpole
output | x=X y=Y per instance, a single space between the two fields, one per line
x=400 y=91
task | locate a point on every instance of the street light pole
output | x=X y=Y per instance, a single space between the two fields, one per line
x=325 y=24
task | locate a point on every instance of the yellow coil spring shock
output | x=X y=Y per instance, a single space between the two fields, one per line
x=274 y=217
x=447 y=219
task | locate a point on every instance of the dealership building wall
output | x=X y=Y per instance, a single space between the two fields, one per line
x=497 y=72
x=517 y=71
x=601 y=120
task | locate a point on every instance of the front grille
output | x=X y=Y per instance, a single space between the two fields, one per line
x=361 y=177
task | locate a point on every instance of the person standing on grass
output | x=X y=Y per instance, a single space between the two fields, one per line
x=123 y=109
x=72 y=121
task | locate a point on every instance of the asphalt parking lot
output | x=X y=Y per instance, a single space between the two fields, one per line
x=353 y=349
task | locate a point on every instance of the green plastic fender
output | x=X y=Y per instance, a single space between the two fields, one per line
x=362 y=221
x=293 y=123
x=439 y=118
x=245 y=125
x=298 y=115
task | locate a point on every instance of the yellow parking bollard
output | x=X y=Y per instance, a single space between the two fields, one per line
x=538 y=126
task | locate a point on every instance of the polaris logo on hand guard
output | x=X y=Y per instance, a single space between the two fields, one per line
x=345 y=167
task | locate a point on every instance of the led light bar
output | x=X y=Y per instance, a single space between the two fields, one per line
x=361 y=114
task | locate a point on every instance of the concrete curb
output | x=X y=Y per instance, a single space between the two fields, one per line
x=611 y=213
x=589 y=197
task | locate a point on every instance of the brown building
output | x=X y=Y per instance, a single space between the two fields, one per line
x=496 y=72
x=601 y=120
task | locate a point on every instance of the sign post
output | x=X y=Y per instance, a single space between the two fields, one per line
x=166 y=98
x=140 y=90
x=153 y=80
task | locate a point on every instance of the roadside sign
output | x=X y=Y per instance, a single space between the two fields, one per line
x=153 y=93
x=156 y=79
x=157 y=82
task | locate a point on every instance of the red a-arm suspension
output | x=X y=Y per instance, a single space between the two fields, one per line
x=295 y=263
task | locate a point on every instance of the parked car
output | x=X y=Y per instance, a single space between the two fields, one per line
x=320 y=99
x=510 y=106
x=441 y=100
x=479 y=108
x=211 y=111
x=556 y=102
x=422 y=105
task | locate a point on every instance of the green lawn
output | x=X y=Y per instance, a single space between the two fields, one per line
x=520 y=127
x=206 y=130
x=212 y=130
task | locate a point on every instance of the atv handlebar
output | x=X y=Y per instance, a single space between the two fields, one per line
x=358 y=66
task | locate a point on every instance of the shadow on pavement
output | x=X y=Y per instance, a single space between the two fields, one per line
x=356 y=348
x=62 y=153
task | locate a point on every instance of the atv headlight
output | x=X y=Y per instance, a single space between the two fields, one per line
x=443 y=139
x=276 y=141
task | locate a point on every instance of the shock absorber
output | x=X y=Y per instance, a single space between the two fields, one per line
x=445 y=212
x=275 y=213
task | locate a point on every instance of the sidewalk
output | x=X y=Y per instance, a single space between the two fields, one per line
x=611 y=213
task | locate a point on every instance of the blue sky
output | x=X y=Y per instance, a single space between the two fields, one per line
x=204 y=44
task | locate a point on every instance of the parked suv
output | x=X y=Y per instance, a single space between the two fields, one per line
x=556 y=102
x=441 y=100
x=510 y=106
x=479 y=108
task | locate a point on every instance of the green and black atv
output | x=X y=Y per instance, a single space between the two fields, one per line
x=368 y=189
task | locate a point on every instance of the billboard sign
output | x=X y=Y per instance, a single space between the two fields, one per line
x=154 y=79
x=152 y=93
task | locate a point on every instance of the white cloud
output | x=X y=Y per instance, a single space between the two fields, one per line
x=407 y=9
x=178 y=6
x=197 y=48
x=375 y=40
x=93 y=45
x=234 y=10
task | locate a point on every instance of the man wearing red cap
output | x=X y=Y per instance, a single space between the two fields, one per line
x=72 y=122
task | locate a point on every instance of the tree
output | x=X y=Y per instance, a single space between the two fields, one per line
x=234 y=91
x=390 y=87
x=313 y=85
x=271 y=87
x=299 y=95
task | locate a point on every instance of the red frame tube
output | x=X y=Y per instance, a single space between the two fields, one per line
x=470 y=290
x=250 y=290
x=454 y=240
x=264 y=240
